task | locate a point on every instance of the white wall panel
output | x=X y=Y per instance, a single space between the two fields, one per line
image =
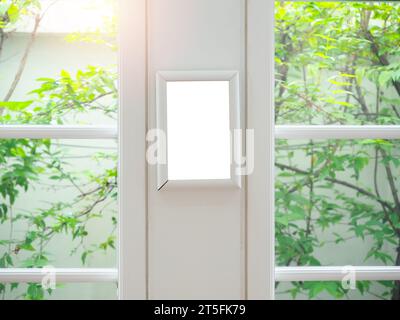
x=195 y=236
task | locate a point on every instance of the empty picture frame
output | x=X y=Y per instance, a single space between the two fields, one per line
x=198 y=112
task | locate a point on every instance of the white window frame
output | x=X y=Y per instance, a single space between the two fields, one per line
x=324 y=273
x=130 y=275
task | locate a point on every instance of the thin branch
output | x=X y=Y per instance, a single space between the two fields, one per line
x=338 y=181
x=2 y=40
x=23 y=61
x=361 y=99
x=392 y=184
x=5 y=19
x=386 y=213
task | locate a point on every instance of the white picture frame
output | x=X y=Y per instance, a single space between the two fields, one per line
x=162 y=78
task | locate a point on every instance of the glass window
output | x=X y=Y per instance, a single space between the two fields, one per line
x=337 y=62
x=335 y=204
x=59 y=203
x=58 y=62
x=337 y=201
x=58 y=198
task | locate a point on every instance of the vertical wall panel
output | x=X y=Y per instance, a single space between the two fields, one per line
x=196 y=238
x=132 y=148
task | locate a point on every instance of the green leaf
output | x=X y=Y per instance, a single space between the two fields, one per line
x=65 y=74
x=27 y=247
x=84 y=256
x=35 y=292
x=14 y=105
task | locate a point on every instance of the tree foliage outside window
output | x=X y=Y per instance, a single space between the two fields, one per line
x=23 y=162
x=338 y=63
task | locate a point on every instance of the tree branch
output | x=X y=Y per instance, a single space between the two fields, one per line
x=338 y=181
x=23 y=61
x=2 y=39
x=392 y=184
x=387 y=217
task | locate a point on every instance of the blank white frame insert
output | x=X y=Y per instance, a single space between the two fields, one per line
x=198 y=112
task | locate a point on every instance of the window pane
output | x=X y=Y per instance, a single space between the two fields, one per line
x=337 y=202
x=62 y=72
x=58 y=203
x=337 y=62
x=70 y=291
x=328 y=290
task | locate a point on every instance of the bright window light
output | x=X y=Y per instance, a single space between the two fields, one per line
x=65 y=16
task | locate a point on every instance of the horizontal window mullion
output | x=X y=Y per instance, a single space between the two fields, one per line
x=281 y=132
x=336 y=132
x=282 y=274
x=57 y=132
x=62 y=275
x=288 y=274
